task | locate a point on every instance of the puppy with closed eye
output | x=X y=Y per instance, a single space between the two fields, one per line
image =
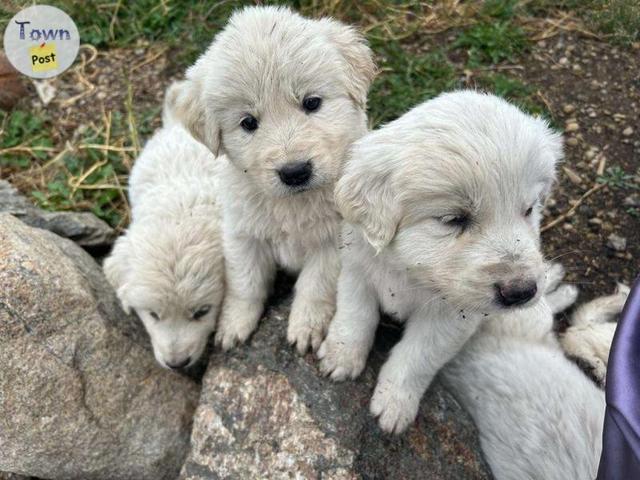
x=283 y=98
x=442 y=210
x=169 y=267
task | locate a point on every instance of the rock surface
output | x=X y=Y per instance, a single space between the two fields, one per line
x=266 y=413
x=84 y=228
x=12 y=476
x=80 y=395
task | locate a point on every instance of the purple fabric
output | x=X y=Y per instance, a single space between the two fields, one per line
x=621 y=438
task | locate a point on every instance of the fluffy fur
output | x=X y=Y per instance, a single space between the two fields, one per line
x=169 y=264
x=589 y=337
x=263 y=66
x=538 y=415
x=405 y=191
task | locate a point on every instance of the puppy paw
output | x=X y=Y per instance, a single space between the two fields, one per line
x=395 y=407
x=308 y=324
x=342 y=358
x=553 y=277
x=237 y=322
x=562 y=297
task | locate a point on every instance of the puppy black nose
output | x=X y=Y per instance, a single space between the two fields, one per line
x=179 y=365
x=515 y=293
x=295 y=174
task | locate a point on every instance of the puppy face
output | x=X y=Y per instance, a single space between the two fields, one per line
x=453 y=190
x=281 y=95
x=172 y=276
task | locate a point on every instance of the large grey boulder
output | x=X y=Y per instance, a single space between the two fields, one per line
x=84 y=228
x=80 y=395
x=265 y=412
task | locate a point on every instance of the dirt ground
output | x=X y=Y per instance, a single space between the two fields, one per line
x=594 y=89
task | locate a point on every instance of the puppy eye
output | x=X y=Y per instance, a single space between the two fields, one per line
x=456 y=221
x=249 y=123
x=201 y=312
x=311 y=104
x=529 y=211
x=154 y=315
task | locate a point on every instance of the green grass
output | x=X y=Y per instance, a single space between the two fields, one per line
x=24 y=135
x=616 y=178
x=617 y=20
x=407 y=79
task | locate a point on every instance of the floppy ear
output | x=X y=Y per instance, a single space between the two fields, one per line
x=361 y=69
x=185 y=103
x=366 y=196
x=115 y=268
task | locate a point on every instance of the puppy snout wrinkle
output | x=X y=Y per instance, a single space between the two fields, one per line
x=518 y=292
x=179 y=365
x=295 y=174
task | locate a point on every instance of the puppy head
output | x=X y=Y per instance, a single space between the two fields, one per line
x=171 y=274
x=281 y=95
x=453 y=190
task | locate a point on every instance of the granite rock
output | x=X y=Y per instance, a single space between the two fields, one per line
x=84 y=228
x=81 y=397
x=265 y=412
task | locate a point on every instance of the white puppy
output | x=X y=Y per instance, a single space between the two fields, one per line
x=443 y=210
x=538 y=415
x=589 y=337
x=283 y=97
x=169 y=266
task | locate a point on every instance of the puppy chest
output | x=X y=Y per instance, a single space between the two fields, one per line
x=396 y=295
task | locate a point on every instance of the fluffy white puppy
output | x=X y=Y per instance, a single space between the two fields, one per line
x=590 y=335
x=168 y=267
x=538 y=415
x=442 y=209
x=283 y=97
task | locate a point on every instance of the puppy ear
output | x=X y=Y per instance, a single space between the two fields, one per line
x=115 y=268
x=553 y=150
x=184 y=103
x=361 y=69
x=366 y=196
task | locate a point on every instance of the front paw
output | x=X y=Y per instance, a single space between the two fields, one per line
x=308 y=324
x=342 y=358
x=395 y=407
x=238 y=320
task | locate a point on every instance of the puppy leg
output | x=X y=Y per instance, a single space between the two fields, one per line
x=601 y=309
x=250 y=269
x=314 y=302
x=427 y=344
x=351 y=333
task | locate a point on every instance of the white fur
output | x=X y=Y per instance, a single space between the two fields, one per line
x=461 y=152
x=170 y=261
x=538 y=415
x=265 y=63
x=591 y=332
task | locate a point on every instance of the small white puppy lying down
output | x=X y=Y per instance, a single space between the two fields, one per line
x=169 y=266
x=442 y=208
x=538 y=415
x=283 y=97
x=589 y=337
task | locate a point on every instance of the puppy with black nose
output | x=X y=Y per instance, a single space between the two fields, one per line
x=442 y=210
x=280 y=98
